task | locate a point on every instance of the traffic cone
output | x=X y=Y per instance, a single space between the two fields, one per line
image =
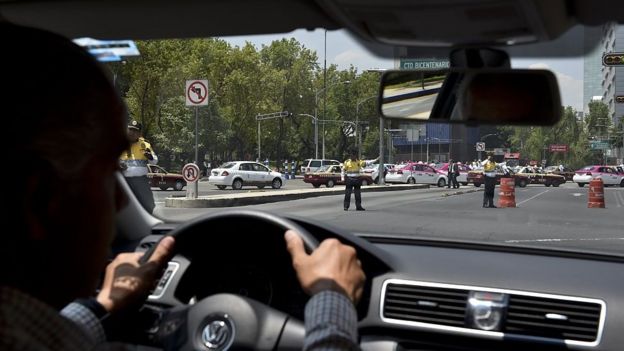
x=596 y=194
x=507 y=194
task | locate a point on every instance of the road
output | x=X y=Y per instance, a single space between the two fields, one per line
x=548 y=217
x=419 y=107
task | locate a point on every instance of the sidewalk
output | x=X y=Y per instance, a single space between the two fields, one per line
x=254 y=198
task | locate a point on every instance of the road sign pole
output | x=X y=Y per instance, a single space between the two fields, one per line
x=259 y=141
x=382 y=180
x=196 y=136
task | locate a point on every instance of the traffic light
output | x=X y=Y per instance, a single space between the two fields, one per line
x=613 y=59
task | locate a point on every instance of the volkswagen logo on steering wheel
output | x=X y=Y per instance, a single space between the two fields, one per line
x=218 y=334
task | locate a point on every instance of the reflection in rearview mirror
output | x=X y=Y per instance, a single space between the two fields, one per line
x=472 y=96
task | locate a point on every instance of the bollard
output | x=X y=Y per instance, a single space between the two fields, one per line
x=596 y=194
x=507 y=194
x=285 y=164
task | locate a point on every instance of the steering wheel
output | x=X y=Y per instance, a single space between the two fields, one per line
x=228 y=321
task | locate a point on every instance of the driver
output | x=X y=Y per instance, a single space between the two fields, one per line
x=65 y=200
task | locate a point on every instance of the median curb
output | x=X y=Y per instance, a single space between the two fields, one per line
x=255 y=197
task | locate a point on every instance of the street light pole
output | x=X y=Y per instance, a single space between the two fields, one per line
x=358 y=139
x=483 y=138
x=316 y=113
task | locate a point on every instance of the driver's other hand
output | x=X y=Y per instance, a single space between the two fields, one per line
x=128 y=282
x=332 y=266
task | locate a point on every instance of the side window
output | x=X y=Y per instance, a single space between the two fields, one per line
x=315 y=163
x=245 y=167
x=260 y=168
x=418 y=167
x=335 y=169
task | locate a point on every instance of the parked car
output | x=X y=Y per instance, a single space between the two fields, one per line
x=442 y=168
x=476 y=178
x=160 y=178
x=330 y=176
x=414 y=173
x=313 y=165
x=536 y=177
x=608 y=174
x=568 y=172
x=373 y=170
x=245 y=173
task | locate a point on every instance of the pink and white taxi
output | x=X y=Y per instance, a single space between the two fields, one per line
x=608 y=175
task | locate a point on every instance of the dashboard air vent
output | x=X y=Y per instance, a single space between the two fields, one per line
x=553 y=318
x=425 y=304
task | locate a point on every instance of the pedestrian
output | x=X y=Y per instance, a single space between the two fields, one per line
x=134 y=163
x=352 y=168
x=489 y=173
x=455 y=174
x=450 y=174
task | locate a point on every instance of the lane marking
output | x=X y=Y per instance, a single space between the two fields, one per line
x=532 y=197
x=560 y=240
x=619 y=198
x=577 y=194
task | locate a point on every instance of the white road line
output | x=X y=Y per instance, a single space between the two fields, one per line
x=532 y=197
x=577 y=194
x=159 y=202
x=560 y=240
x=619 y=198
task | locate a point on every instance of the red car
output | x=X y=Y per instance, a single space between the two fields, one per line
x=330 y=176
x=476 y=178
x=160 y=178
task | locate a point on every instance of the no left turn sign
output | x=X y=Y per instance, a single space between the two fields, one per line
x=196 y=92
x=190 y=172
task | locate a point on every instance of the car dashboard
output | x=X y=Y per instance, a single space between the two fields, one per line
x=434 y=295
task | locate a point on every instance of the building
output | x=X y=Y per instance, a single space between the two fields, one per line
x=604 y=83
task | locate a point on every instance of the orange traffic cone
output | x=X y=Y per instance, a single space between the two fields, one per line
x=507 y=194
x=596 y=194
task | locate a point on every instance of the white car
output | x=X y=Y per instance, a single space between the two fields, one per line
x=415 y=173
x=373 y=170
x=245 y=173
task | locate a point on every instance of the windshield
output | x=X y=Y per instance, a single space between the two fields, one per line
x=270 y=99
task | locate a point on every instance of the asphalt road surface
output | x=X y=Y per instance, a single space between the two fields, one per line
x=547 y=217
x=419 y=107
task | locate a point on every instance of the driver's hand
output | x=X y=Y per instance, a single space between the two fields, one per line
x=332 y=266
x=127 y=282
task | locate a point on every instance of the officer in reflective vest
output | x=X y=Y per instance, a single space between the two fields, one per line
x=352 y=168
x=134 y=163
x=489 y=175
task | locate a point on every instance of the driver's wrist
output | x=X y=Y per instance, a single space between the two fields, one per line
x=329 y=285
x=94 y=306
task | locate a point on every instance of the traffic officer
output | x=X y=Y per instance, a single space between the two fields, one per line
x=134 y=163
x=489 y=174
x=352 y=167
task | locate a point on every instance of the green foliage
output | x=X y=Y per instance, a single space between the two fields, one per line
x=533 y=142
x=244 y=81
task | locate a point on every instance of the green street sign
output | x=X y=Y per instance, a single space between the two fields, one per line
x=424 y=64
x=599 y=145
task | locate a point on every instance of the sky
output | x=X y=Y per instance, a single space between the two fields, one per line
x=344 y=51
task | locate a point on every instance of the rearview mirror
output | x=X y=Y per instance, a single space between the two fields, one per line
x=472 y=96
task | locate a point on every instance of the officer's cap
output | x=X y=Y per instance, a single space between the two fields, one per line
x=135 y=125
